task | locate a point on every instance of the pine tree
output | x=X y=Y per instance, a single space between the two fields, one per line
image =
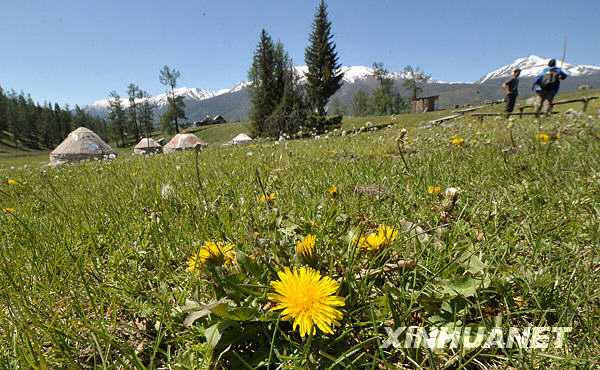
x=81 y=119
x=263 y=90
x=117 y=117
x=290 y=113
x=47 y=130
x=168 y=77
x=324 y=77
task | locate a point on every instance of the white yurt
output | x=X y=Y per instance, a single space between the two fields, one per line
x=181 y=142
x=147 y=146
x=80 y=145
x=241 y=139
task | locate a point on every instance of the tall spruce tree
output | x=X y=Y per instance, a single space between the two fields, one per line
x=277 y=100
x=290 y=112
x=264 y=97
x=324 y=77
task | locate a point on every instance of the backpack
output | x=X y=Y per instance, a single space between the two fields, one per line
x=550 y=80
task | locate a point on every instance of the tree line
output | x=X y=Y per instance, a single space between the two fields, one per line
x=27 y=124
x=137 y=120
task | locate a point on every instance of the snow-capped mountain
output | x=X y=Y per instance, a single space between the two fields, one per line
x=533 y=65
x=161 y=99
x=234 y=103
x=353 y=73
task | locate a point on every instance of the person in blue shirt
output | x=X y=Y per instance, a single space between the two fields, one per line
x=546 y=86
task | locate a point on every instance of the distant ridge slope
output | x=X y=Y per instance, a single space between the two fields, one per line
x=234 y=103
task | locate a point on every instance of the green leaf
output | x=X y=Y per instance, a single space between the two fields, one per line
x=215 y=332
x=235 y=313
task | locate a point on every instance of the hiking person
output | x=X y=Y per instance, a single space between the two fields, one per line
x=511 y=90
x=546 y=86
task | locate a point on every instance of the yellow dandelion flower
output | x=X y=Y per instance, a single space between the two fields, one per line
x=383 y=237
x=543 y=138
x=267 y=198
x=332 y=191
x=216 y=254
x=8 y=210
x=11 y=182
x=433 y=190
x=457 y=140
x=308 y=299
x=306 y=246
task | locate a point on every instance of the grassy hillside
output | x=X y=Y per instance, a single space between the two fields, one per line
x=97 y=260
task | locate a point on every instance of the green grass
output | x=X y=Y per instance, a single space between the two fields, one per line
x=93 y=257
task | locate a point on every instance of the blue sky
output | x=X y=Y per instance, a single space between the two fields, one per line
x=76 y=51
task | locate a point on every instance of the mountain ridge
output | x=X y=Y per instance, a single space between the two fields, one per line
x=234 y=102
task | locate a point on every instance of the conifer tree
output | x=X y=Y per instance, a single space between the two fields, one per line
x=324 y=77
x=116 y=115
x=263 y=90
x=290 y=112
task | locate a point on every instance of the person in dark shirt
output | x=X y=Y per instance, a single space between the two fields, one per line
x=511 y=90
x=546 y=86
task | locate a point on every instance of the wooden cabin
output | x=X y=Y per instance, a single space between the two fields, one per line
x=424 y=104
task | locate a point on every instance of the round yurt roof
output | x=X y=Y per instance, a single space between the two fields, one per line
x=147 y=143
x=183 y=142
x=241 y=137
x=81 y=144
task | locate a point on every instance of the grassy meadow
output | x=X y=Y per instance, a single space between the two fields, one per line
x=94 y=257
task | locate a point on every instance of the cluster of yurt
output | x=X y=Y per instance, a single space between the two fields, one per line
x=83 y=144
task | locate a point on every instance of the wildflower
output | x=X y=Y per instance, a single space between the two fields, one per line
x=332 y=191
x=308 y=299
x=457 y=140
x=383 y=237
x=267 y=198
x=11 y=182
x=217 y=254
x=543 y=138
x=433 y=190
x=8 y=210
x=306 y=246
